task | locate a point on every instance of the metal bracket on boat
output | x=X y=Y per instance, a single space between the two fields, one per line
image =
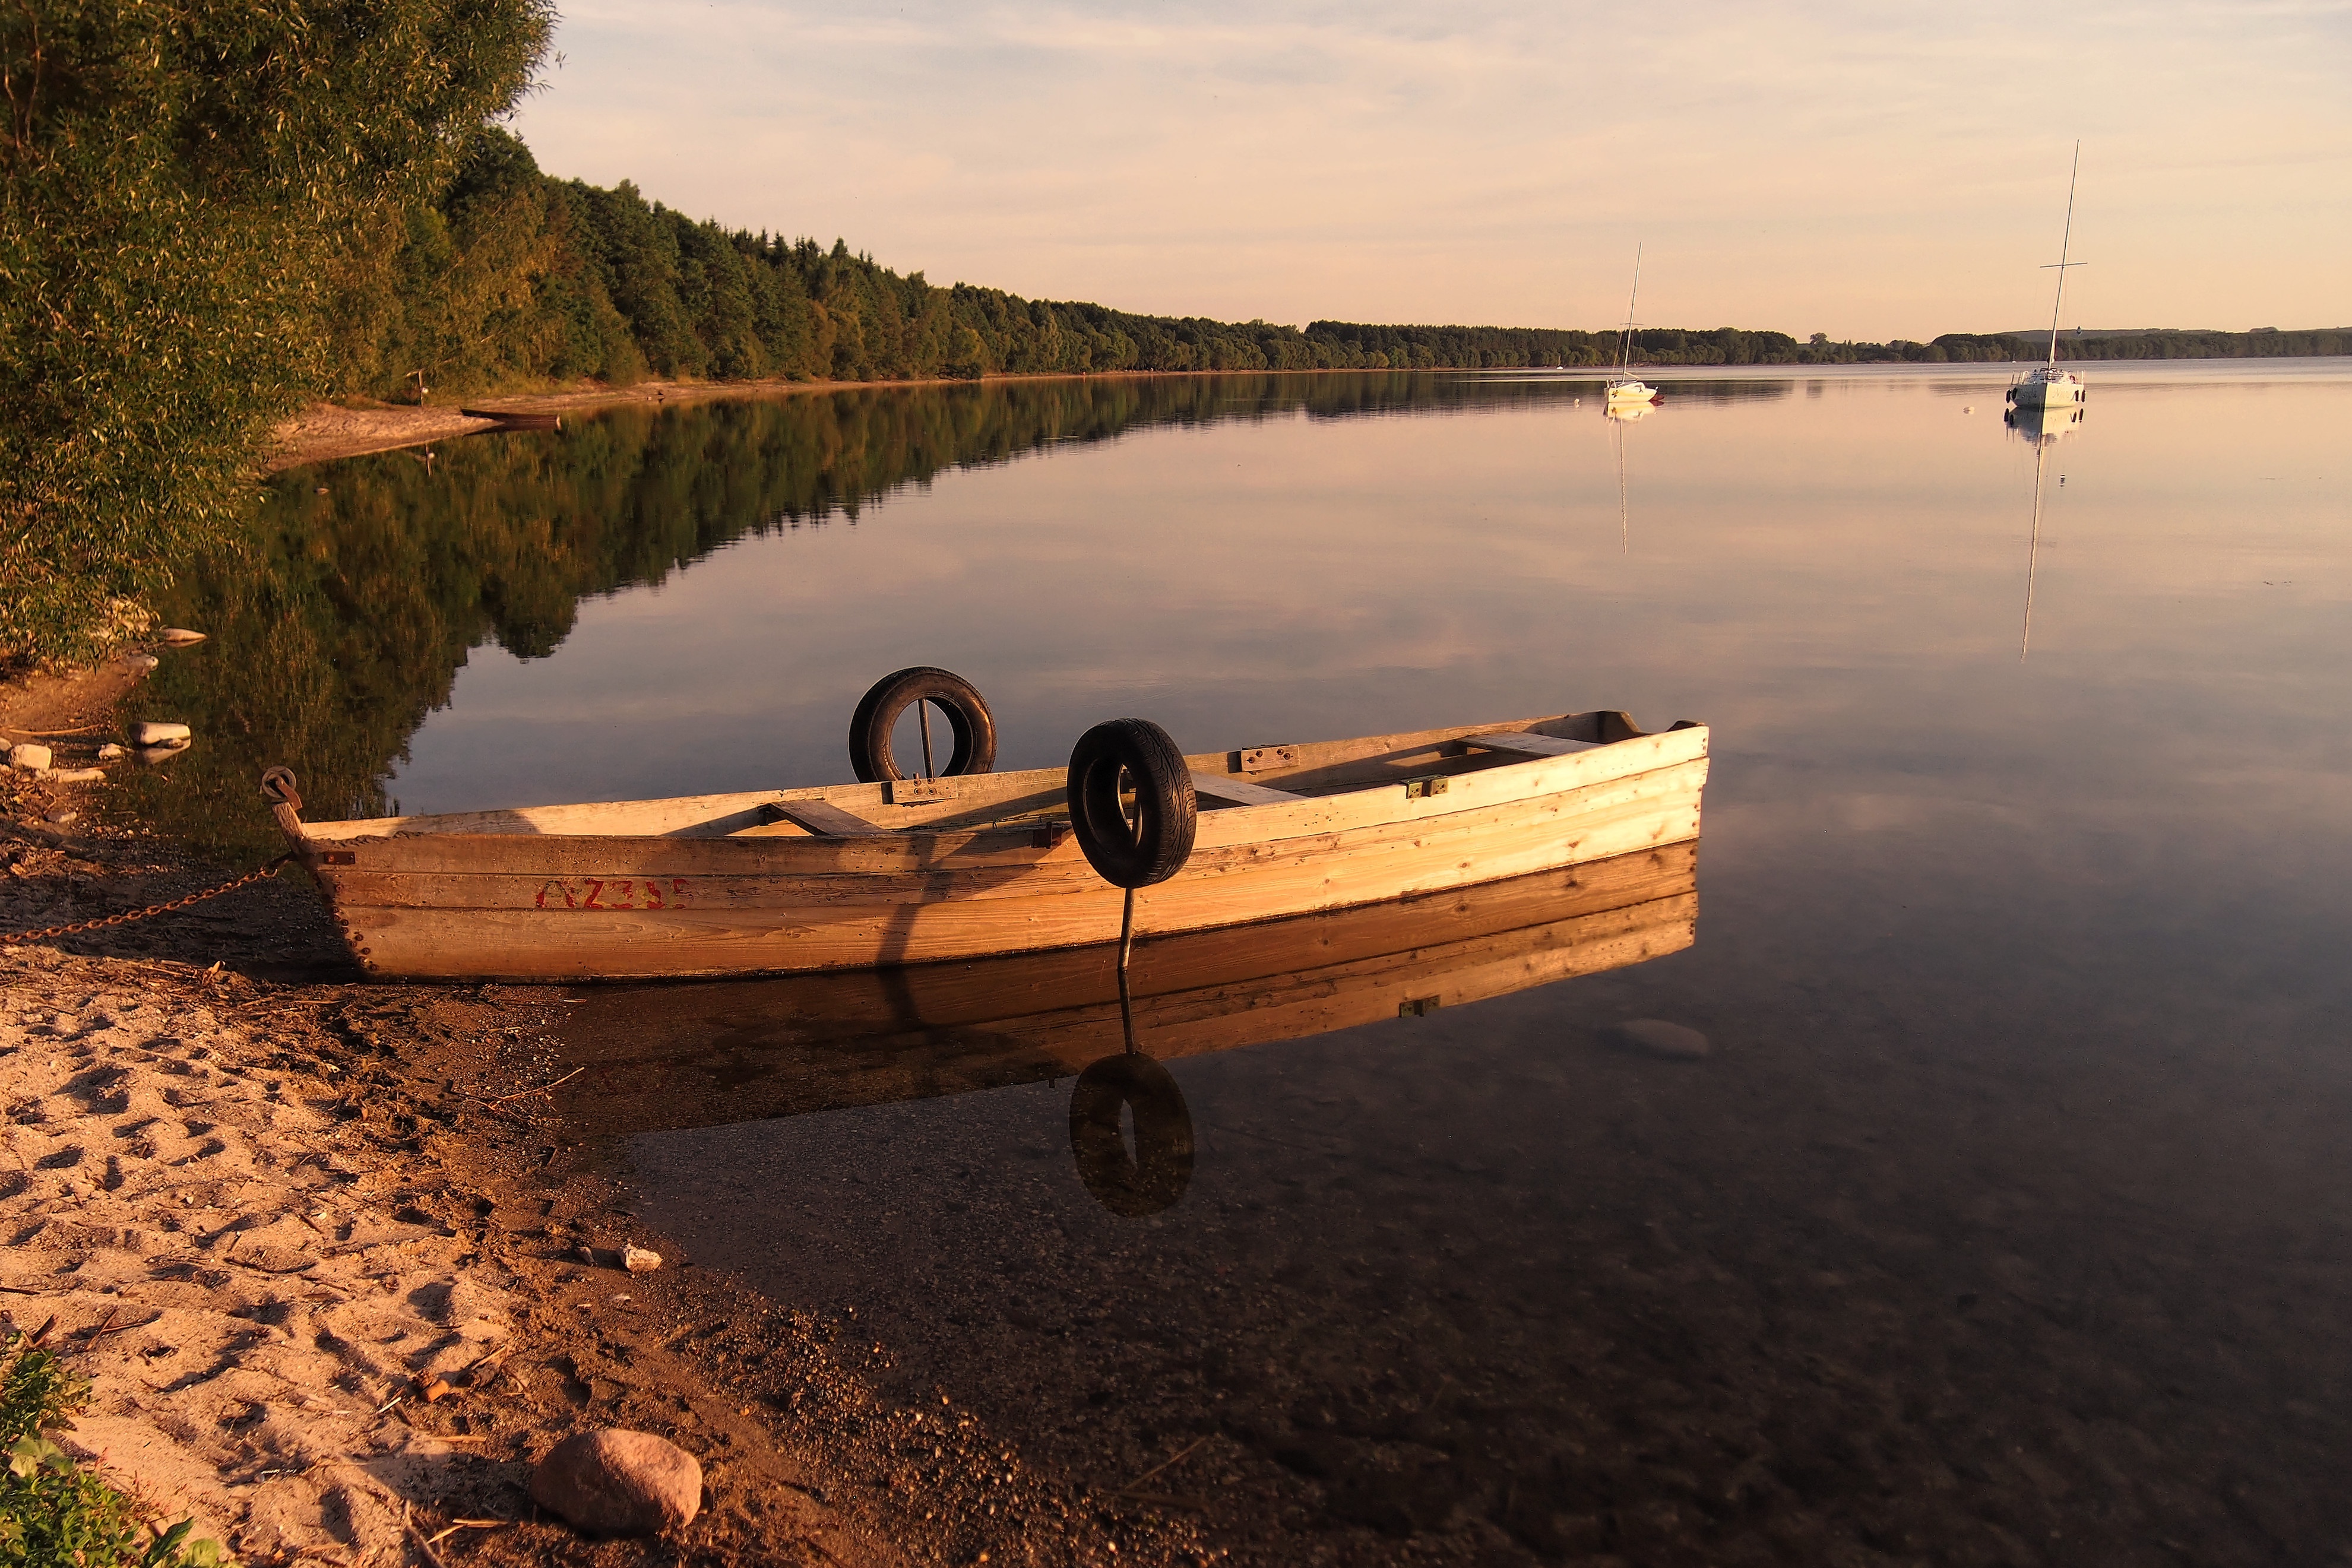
x=1416 y=1006
x=285 y=805
x=1421 y=789
x=917 y=791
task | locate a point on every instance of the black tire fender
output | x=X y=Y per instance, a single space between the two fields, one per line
x=968 y=720
x=1156 y=843
x=1156 y=1175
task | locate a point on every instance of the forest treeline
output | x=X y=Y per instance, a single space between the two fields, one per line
x=514 y=277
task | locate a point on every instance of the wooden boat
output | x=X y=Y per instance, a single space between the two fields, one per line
x=924 y=871
x=667 y=1057
x=516 y=419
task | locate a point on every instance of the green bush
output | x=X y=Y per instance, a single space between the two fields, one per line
x=53 y=1513
x=180 y=184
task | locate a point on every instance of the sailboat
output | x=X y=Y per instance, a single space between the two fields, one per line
x=1628 y=390
x=2048 y=387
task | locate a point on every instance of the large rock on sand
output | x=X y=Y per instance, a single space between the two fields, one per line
x=614 y=1482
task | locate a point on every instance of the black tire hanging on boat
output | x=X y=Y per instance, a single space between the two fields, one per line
x=968 y=720
x=1156 y=843
x=1156 y=1175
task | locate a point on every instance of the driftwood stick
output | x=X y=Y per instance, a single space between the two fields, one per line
x=1182 y=1454
x=526 y=1093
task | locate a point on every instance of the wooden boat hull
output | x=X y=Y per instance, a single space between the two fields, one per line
x=975 y=867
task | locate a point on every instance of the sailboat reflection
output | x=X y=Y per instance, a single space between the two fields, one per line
x=2044 y=427
x=1619 y=415
x=673 y=1057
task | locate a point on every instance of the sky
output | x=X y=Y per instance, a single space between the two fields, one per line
x=1865 y=170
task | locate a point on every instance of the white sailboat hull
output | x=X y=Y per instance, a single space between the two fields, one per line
x=2047 y=390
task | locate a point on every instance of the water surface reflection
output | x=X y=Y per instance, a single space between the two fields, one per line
x=2006 y=1219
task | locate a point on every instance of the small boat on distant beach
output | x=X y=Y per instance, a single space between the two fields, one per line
x=971 y=865
x=516 y=419
x=2047 y=386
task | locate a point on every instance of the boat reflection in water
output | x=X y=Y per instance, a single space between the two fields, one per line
x=2044 y=427
x=705 y=1055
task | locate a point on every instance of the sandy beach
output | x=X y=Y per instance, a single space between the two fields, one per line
x=325 y=430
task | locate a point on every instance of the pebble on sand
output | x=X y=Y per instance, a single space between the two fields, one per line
x=143 y=663
x=154 y=732
x=638 y=1260
x=74 y=775
x=615 y=1482
x=30 y=756
x=1659 y=1038
x=178 y=637
x=110 y=752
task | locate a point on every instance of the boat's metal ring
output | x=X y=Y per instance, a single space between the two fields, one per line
x=974 y=727
x=1149 y=841
x=279 y=788
x=1156 y=1175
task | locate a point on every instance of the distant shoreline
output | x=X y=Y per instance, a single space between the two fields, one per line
x=325 y=432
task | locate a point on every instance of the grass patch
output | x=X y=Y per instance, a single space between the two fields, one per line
x=53 y=1513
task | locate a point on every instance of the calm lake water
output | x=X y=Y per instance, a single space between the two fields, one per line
x=2006 y=1218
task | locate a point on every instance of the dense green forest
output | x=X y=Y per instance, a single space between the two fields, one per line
x=179 y=185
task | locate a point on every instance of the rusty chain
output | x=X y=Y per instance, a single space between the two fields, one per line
x=10 y=938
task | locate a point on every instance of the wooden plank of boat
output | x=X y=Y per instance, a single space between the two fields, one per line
x=1528 y=745
x=1240 y=791
x=714 y=886
x=824 y=817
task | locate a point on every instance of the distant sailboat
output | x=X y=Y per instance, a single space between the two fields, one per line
x=2050 y=387
x=1629 y=389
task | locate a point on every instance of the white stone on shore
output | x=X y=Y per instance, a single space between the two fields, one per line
x=141 y=663
x=156 y=732
x=30 y=756
x=638 y=1260
x=1660 y=1038
x=74 y=775
x=109 y=752
x=617 y=1482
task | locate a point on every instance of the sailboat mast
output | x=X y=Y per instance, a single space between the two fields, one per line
x=1625 y=338
x=2065 y=246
